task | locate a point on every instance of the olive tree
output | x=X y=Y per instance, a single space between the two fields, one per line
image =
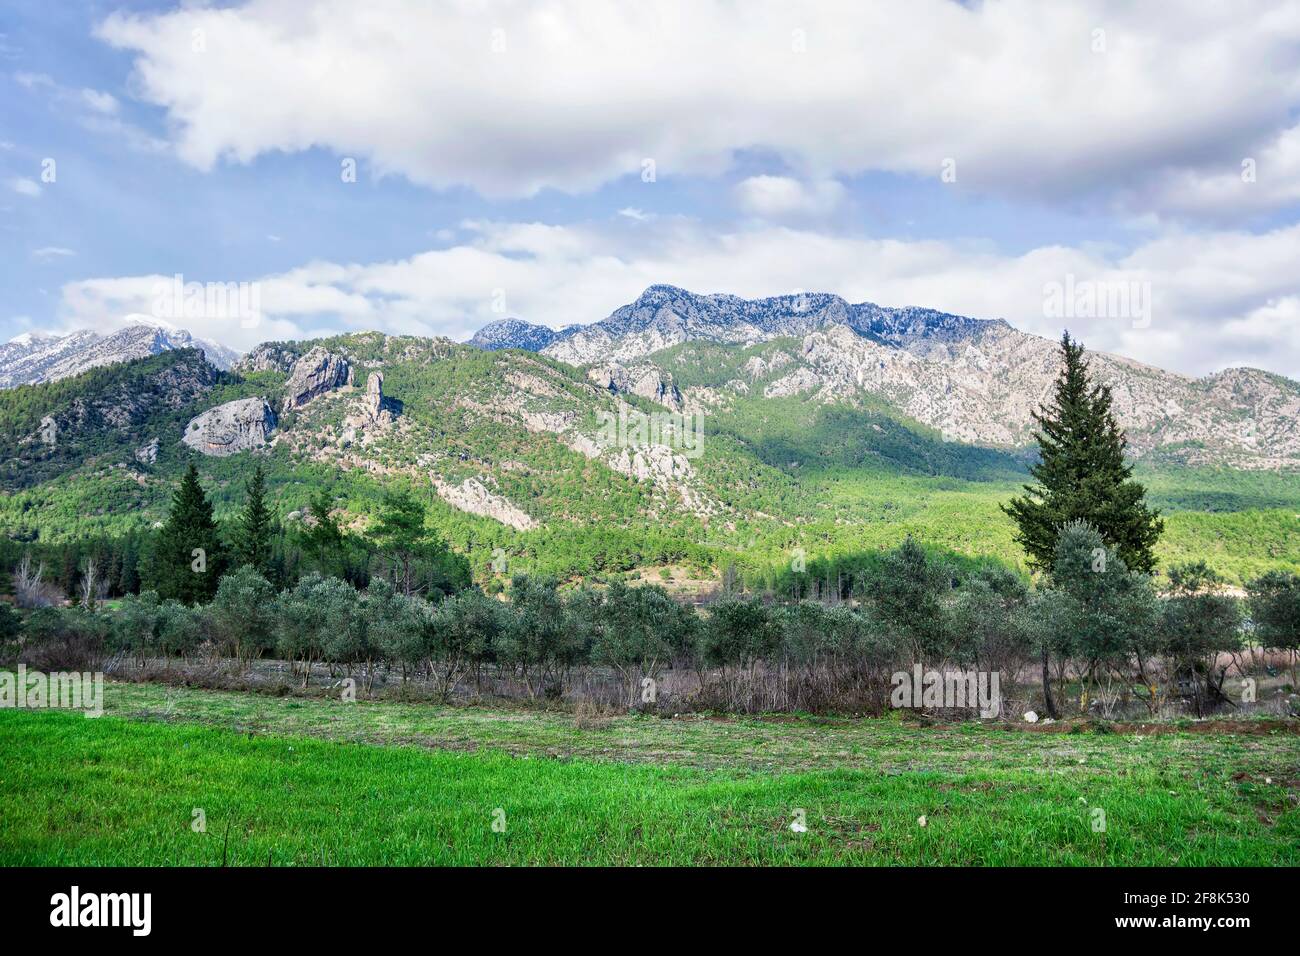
x=1198 y=622
x=989 y=622
x=1103 y=615
x=180 y=628
x=638 y=633
x=1275 y=612
x=134 y=630
x=907 y=593
x=466 y=630
x=243 y=614
x=462 y=633
x=395 y=626
x=318 y=610
x=536 y=643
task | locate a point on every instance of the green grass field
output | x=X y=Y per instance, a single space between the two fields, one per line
x=315 y=781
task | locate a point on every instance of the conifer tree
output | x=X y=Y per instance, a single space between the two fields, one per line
x=254 y=527
x=321 y=535
x=402 y=536
x=1082 y=474
x=188 y=558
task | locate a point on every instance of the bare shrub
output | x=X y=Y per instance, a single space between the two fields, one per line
x=589 y=715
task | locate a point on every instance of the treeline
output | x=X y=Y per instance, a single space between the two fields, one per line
x=1092 y=625
x=185 y=558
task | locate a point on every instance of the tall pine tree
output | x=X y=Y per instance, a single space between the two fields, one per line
x=1082 y=475
x=401 y=534
x=322 y=536
x=254 y=527
x=187 y=559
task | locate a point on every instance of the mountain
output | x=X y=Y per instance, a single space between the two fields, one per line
x=118 y=410
x=760 y=430
x=36 y=357
x=974 y=380
x=513 y=334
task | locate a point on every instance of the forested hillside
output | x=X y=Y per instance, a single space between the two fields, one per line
x=502 y=448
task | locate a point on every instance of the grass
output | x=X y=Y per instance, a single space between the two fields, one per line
x=310 y=781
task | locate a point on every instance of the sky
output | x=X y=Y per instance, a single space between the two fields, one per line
x=426 y=168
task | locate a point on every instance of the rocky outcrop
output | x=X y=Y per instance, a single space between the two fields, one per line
x=371 y=413
x=657 y=463
x=268 y=357
x=314 y=374
x=377 y=409
x=147 y=454
x=241 y=425
x=797 y=382
x=647 y=381
x=471 y=495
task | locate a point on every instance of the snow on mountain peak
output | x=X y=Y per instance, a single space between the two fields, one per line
x=139 y=318
x=32 y=337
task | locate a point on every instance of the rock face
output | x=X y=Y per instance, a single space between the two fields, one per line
x=314 y=374
x=228 y=429
x=377 y=409
x=147 y=453
x=657 y=463
x=645 y=380
x=471 y=495
x=268 y=357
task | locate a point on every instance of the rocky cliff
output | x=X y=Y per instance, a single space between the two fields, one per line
x=241 y=425
x=314 y=374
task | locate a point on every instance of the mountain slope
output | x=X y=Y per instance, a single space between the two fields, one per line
x=123 y=412
x=974 y=380
x=513 y=456
x=513 y=334
x=33 y=358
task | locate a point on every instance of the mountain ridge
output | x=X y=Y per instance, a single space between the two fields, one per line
x=31 y=358
x=511 y=450
x=975 y=380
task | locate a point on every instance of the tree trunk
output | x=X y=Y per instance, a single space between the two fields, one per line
x=1047 y=689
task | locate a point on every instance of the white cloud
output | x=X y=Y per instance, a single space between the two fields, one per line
x=24 y=186
x=30 y=81
x=94 y=110
x=50 y=253
x=1261 y=179
x=780 y=197
x=1219 y=299
x=1015 y=91
x=104 y=302
x=99 y=101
